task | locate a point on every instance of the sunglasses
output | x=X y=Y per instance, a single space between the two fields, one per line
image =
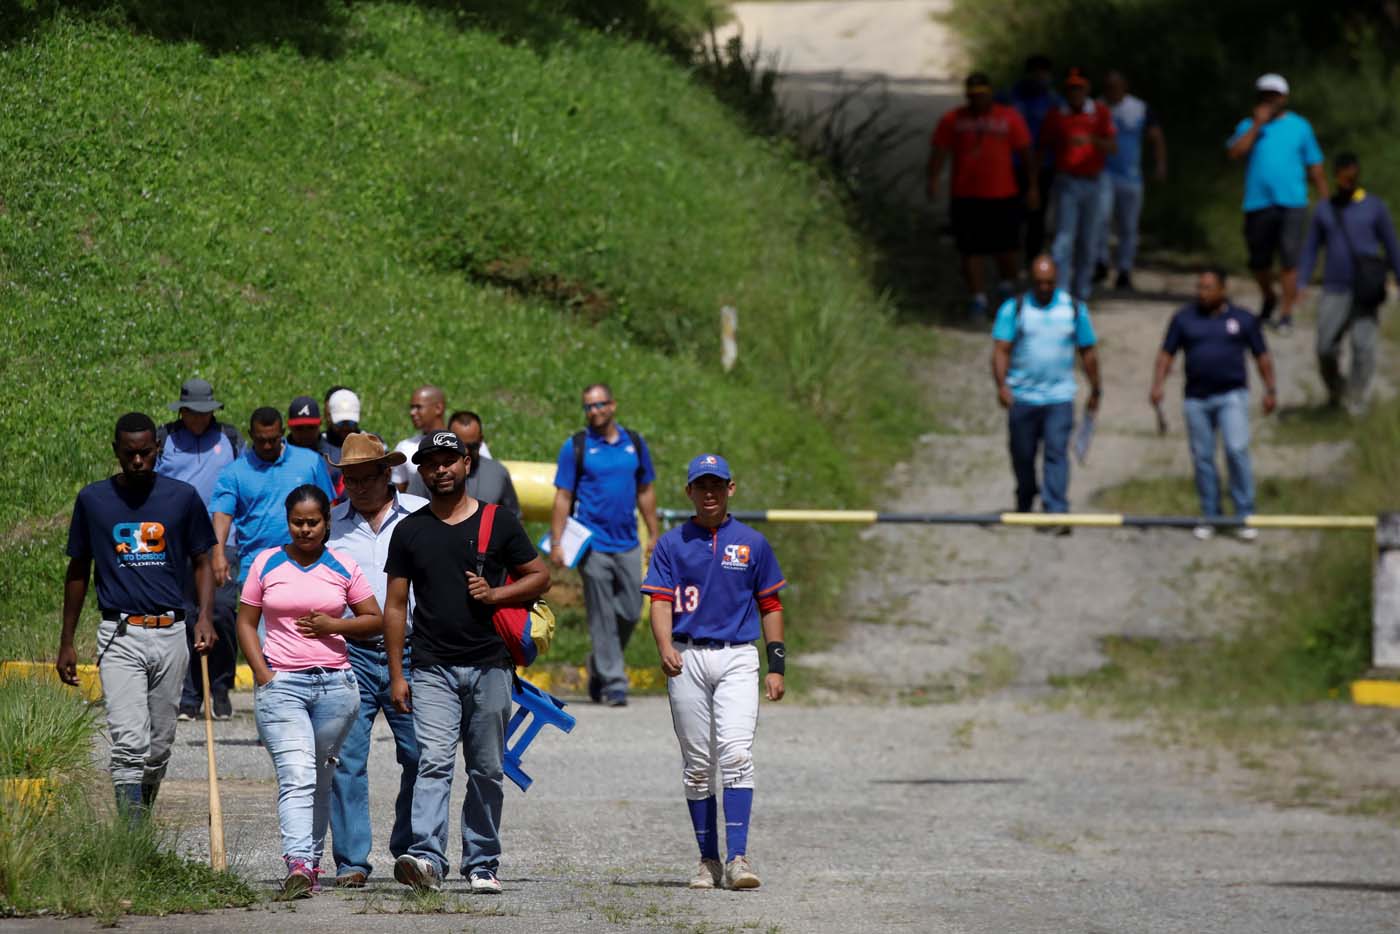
x=590 y=406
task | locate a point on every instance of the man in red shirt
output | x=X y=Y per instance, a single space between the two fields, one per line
x=986 y=206
x=1082 y=136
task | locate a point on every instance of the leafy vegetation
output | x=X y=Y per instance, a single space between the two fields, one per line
x=384 y=194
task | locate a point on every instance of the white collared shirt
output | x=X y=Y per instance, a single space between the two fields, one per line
x=352 y=534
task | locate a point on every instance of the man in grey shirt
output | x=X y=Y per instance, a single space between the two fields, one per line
x=487 y=479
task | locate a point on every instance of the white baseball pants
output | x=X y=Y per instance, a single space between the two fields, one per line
x=714 y=709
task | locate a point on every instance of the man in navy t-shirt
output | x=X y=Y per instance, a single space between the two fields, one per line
x=142 y=531
x=1215 y=335
x=603 y=478
x=714 y=586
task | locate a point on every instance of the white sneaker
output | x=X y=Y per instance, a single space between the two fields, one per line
x=738 y=874
x=417 y=873
x=709 y=875
x=1246 y=534
x=1203 y=533
x=484 y=882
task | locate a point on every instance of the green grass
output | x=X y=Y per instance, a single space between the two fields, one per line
x=65 y=853
x=507 y=205
x=1176 y=495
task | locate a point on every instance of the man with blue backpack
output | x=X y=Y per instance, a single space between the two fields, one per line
x=603 y=475
x=1035 y=340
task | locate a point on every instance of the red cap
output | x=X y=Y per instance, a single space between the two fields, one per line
x=1076 y=78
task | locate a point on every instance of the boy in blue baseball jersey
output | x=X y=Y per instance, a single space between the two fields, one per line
x=714 y=585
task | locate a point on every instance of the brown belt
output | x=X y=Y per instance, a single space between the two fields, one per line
x=145 y=620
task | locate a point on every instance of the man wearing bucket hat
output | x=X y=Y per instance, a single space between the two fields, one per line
x=194 y=448
x=1283 y=157
x=362 y=528
x=714 y=585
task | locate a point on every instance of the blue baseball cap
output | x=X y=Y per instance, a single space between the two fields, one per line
x=707 y=464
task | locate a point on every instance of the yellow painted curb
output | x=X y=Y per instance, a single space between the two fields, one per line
x=1376 y=693
x=88 y=681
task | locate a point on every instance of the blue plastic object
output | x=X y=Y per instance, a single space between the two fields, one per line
x=546 y=710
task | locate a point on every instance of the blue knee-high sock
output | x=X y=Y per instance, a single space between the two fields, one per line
x=738 y=802
x=704 y=817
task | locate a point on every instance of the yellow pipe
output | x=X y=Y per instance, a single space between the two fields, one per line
x=1311 y=522
x=1061 y=518
x=534 y=486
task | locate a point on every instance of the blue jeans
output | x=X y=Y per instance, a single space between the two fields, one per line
x=471 y=706
x=1030 y=427
x=302 y=719
x=223 y=657
x=1227 y=413
x=1078 y=227
x=351 y=836
x=1120 y=206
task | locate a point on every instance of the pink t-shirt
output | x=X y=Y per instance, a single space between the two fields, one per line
x=287 y=591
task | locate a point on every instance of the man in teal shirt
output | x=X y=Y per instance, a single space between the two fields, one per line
x=1283 y=157
x=1034 y=342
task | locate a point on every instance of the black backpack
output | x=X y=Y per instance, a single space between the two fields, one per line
x=579 y=438
x=231 y=433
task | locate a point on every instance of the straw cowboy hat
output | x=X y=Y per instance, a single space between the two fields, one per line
x=362 y=448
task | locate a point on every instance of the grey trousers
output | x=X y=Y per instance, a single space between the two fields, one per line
x=142 y=673
x=612 y=594
x=1337 y=315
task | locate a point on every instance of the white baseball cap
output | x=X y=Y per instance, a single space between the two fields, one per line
x=1272 y=82
x=343 y=406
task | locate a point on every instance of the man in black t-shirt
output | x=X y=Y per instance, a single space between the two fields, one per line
x=142 y=531
x=461 y=678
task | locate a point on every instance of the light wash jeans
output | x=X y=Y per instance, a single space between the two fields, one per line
x=1228 y=414
x=1120 y=206
x=1078 y=229
x=303 y=717
x=470 y=706
x=142 y=672
x=351 y=835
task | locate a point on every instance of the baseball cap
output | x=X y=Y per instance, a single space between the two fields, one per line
x=707 y=465
x=197 y=396
x=343 y=406
x=1076 y=78
x=439 y=441
x=978 y=82
x=1276 y=83
x=303 y=411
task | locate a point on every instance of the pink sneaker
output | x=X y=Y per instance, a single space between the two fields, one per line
x=300 y=881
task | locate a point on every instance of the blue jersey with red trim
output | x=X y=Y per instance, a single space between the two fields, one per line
x=715 y=578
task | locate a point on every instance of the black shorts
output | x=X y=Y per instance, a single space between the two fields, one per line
x=985 y=226
x=1275 y=230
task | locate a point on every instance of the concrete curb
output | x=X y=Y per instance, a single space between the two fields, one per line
x=1371 y=693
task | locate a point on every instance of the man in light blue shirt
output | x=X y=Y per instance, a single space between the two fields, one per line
x=1283 y=157
x=1121 y=185
x=1034 y=342
x=195 y=449
x=361 y=527
x=250 y=496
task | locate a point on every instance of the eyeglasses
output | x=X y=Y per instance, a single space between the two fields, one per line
x=590 y=406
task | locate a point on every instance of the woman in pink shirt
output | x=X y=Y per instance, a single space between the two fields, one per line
x=306 y=697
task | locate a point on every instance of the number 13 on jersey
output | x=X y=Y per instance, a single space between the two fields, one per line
x=687 y=598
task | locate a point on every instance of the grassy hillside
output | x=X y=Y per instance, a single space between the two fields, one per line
x=402 y=193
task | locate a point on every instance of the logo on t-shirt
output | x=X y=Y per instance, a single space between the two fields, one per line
x=139 y=544
x=1232 y=327
x=736 y=558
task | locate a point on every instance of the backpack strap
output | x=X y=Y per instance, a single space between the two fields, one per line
x=579 y=439
x=488 y=519
x=640 y=445
x=234 y=438
x=163 y=432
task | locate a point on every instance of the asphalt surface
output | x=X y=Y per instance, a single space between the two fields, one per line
x=991 y=815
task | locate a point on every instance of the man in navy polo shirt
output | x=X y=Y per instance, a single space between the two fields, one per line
x=251 y=494
x=714 y=586
x=1215 y=335
x=604 y=474
x=143 y=532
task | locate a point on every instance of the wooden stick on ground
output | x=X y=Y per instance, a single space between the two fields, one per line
x=218 y=859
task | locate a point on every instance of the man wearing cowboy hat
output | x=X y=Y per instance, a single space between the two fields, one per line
x=194 y=448
x=361 y=526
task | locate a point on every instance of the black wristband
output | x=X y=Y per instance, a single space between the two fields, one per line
x=777 y=658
